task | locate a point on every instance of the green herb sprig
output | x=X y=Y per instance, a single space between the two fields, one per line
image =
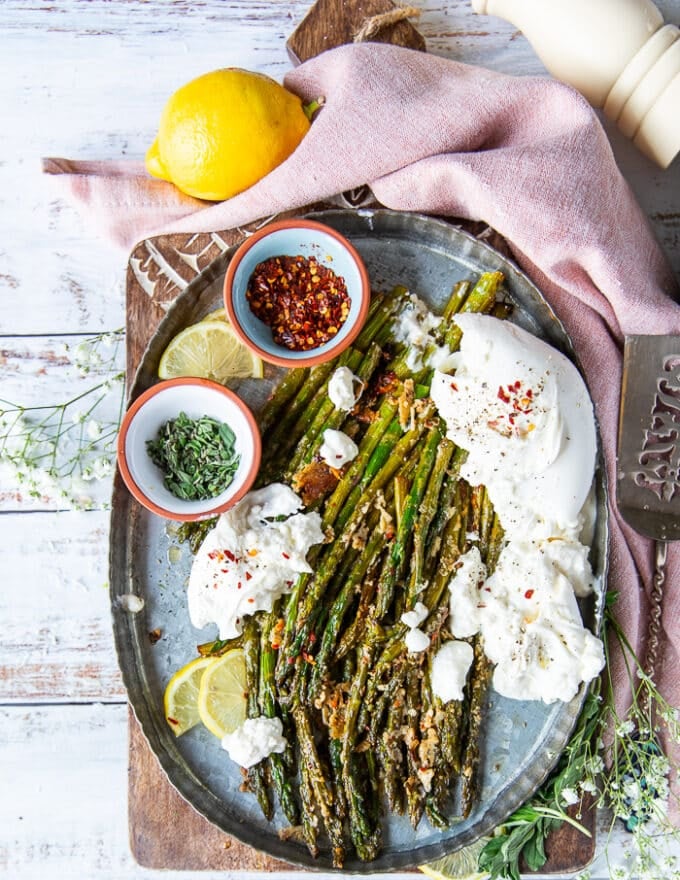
x=197 y=456
x=525 y=832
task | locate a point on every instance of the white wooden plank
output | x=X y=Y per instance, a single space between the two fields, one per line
x=64 y=778
x=95 y=89
x=45 y=372
x=57 y=642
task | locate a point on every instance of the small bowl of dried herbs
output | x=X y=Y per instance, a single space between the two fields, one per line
x=296 y=292
x=188 y=449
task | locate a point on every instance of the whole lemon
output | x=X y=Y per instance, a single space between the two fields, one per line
x=223 y=131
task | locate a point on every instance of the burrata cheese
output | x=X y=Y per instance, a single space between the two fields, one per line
x=450 y=666
x=255 y=740
x=523 y=414
x=344 y=389
x=251 y=557
x=522 y=411
x=417 y=327
x=528 y=617
x=337 y=448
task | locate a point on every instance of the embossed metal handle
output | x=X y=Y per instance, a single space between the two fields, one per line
x=656 y=599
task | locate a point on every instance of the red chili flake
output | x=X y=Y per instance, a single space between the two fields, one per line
x=528 y=594
x=285 y=555
x=224 y=570
x=238 y=587
x=518 y=400
x=173 y=721
x=289 y=583
x=249 y=576
x=251 y=599
x=386 y=383
x=453 y=385
x=312 y=638
x=230 y=556
x=304 y=302
x=154 y=636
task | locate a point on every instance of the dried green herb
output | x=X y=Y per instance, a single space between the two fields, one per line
x=197 y=456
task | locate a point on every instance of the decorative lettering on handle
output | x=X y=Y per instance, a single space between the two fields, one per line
x=660 y=455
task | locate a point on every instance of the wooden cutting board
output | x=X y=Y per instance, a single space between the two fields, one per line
x=158 y=270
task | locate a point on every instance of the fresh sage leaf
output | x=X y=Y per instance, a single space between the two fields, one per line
x=196 y=456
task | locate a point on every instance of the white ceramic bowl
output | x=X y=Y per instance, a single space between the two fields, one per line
x=290 y=238
x=165 y=401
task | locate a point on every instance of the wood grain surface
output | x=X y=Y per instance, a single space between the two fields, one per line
x=331 y=23
x=156 y=810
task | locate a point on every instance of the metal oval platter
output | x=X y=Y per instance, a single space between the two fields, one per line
x=521 y=740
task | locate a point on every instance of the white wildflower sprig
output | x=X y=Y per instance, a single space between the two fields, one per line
x=636 y=788
x=54 y=450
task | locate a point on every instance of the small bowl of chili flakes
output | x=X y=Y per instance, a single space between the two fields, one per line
x=297 y=293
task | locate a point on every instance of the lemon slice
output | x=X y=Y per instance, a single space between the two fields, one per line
x=180 y=700
x=461 y=865
x=209 y=350
x=222 y=694
x=216 y=315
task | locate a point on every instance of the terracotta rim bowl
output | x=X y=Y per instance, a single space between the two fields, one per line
x=164 y=401
x=290 y=238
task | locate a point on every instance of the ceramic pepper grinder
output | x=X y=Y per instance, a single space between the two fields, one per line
x=618 y=53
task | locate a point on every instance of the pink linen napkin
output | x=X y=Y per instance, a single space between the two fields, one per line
x=525 y=155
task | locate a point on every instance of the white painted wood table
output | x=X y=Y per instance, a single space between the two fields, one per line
x=88 y=80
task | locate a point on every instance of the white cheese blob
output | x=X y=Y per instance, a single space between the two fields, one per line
x=341 y=389
x=465 y=588
x=337 y=448
x=528 y=618
x=251 y=558
x=450 y=666
x=522 y=411
x=531 y=624
x=254 y=740
x=416 y=641
x=131 y=602
x=415 y=617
